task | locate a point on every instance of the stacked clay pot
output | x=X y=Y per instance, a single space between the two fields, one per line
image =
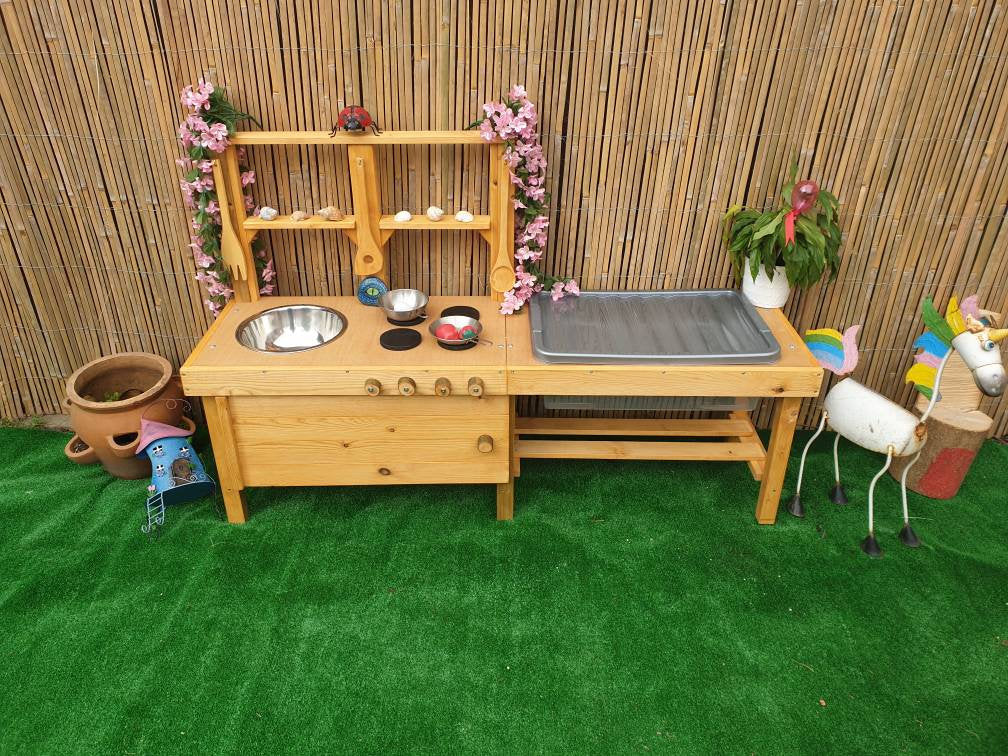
x=108 y=431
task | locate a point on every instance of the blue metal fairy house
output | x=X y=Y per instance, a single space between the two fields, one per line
x=177 y=474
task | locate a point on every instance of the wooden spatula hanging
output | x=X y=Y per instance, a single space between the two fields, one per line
x=231 y=248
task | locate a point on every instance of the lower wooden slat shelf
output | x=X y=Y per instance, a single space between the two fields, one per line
x=578 y=426
x=741 y=451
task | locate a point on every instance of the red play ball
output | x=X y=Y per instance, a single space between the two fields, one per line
x=446 y=331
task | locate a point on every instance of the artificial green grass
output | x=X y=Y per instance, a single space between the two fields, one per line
x=629 y=607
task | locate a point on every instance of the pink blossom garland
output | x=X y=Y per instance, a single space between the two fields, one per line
x=514 y=122
x=204 y=134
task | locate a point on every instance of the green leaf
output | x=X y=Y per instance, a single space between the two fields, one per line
x=767 y=225
x=808 y=229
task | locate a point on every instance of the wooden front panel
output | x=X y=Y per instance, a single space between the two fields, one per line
x=336 y=440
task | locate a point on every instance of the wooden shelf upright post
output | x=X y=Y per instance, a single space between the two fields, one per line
x=227 y=183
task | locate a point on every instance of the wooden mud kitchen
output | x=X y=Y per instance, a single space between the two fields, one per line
x=304 y=391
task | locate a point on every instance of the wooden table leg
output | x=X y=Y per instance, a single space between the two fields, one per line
x=505 y=500
x=785 y=415
x=218 y=417
x=234 y=505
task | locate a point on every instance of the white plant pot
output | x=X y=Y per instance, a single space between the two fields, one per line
x=764 y=291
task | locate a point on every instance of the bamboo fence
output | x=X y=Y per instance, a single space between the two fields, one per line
x=655 y=117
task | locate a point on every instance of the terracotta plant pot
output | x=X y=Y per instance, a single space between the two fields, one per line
x=108 y=432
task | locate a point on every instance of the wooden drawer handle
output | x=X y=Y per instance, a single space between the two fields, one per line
x=407 y=386
x=372 y=386
x=475 y=387
x=485 y=444
x=442 y=387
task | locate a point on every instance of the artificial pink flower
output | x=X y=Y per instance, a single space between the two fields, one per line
x=268 y=273
x=557 y=291
x=510 y=304
x=571 y=287
x=517 y=92
x=198 y=97
x=247 y=178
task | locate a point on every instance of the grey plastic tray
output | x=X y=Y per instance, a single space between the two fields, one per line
x=686 y=327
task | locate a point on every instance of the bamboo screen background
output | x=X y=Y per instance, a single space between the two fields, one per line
x=655 y=117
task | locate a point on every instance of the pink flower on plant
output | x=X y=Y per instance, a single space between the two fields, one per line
x=197 y=97
x=247 y=178
x=215 y=137
x=523 y=278
x=511 y=303
x=571 y=287
x=268 y=273
x=487 y=131
x=557 y=291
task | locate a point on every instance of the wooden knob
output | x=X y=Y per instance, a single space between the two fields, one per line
x=407 y=386
x=372 y=386
x=442 y=387
x=384 y=471
x=475 y=387
x=485 y=444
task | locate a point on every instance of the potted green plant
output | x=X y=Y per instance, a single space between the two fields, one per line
x=793 y=244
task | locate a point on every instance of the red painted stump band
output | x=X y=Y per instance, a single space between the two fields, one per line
x=946 y=473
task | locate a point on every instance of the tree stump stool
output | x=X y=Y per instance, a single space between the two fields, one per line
x=954 y=438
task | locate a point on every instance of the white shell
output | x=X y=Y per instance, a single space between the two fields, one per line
x=330 y=213
x=871 y=421
x=403 y=216
x=268 y=213
x=435 y=213
x=299 y=215
x=464 y=216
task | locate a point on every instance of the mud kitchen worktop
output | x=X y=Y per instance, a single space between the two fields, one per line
x=220 y=366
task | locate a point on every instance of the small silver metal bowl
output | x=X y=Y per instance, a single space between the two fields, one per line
x=403 y=305
x=458 y=321
x=291 y=328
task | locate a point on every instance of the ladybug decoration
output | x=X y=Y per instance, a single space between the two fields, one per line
x=354 y=119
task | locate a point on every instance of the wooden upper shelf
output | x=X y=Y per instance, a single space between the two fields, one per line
x=368 y=137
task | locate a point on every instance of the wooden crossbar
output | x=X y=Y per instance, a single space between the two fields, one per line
x=577 y=426
x=742 y=451
x=739 y=439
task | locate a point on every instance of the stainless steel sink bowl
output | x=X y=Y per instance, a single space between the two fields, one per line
x=291 y=328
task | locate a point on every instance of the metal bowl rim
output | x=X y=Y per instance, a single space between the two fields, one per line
x=455 y=342
x=404 y=313
x=250 y=318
